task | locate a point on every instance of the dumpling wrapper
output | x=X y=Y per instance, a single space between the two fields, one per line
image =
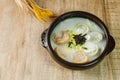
x=80 y=57
x=92 y=48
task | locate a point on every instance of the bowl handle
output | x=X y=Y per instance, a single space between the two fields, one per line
x=44 y=39
x=111 y=44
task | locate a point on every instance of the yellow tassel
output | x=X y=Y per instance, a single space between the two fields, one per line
x=41 y=14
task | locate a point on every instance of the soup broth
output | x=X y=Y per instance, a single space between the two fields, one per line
x=78 y=40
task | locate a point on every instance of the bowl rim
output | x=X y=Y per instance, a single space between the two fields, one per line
x=70 y=15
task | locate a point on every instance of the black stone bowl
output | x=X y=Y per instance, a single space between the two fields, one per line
x=45 y=40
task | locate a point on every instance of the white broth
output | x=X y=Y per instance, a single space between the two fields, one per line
x=78 y=40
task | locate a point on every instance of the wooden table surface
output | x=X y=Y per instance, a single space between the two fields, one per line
x=23 y=58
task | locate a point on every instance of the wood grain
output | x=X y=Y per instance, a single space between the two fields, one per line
x=23 y=58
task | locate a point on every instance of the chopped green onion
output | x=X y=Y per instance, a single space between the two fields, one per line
x=85 y=48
